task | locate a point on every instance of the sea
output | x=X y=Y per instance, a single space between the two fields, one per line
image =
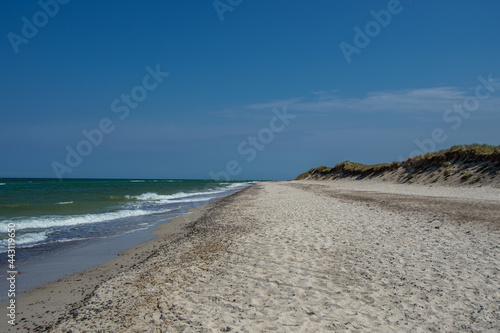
x=55 y=221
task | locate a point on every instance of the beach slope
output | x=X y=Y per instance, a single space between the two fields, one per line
x=309 y=256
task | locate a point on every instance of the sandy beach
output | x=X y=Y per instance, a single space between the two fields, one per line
x=301 y=256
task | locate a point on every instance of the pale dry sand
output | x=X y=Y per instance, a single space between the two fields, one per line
x=311 y=257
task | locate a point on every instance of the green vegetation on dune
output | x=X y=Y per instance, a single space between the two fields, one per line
x=474 y=149
x=346 y=169
x=485 y=149
x=462 y=156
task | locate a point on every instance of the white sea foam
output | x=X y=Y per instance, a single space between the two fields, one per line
x=64 y=240
x=151 y=196
x=25 y=240
x=232 y=186
x=137 y=181
x=132 y=230
x=62 y=221
x=32 y=237
x=47 y=222
x=2 y=183
x=183 y=196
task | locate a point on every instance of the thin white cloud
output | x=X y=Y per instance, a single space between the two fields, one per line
x=421 y=100
x=407 y=100
x=410 y=101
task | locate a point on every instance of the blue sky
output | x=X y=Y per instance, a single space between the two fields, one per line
x=232 y=67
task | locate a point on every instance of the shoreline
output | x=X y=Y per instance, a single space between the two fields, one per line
x=51 y=299
x=300 y=256
x=69 y=231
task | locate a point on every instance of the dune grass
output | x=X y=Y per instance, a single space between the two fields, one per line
x=414 y=165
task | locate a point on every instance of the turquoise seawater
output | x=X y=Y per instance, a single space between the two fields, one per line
x=49 y=213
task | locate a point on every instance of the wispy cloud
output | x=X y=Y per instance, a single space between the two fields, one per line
x=422 y=100
x=397 y=101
